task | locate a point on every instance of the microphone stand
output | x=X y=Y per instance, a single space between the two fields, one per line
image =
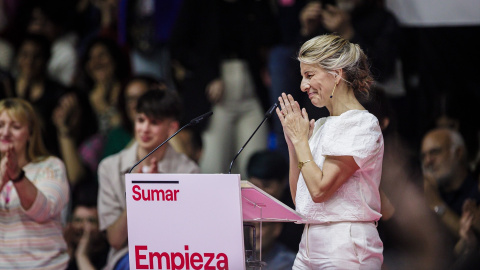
x=267 y=115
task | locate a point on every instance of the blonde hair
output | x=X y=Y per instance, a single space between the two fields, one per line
x=22 y=111
x=333 y=52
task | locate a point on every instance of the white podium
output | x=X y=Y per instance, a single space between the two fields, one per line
x=194 y=221
x=184 y=221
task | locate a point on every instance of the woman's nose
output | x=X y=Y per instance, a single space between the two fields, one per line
x=304 y=86
x=4 y=130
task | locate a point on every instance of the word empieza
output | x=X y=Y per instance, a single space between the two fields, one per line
x=154 y=194
x=145 y=259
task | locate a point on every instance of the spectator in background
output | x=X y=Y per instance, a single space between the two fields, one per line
x=268 y=170
x=87 y=246
x=157 y=118
x=450 y=188
x=11 y=21
x=121 y=136
x=103 y=70
x=448 y=181
x=33 y=193
x=32 y=83
x=283 y=68
x=221 y=46
x=145 y=26
x=53 y=19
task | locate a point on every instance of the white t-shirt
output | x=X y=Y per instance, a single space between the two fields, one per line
x=354 y=133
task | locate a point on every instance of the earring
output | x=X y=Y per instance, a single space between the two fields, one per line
x=331 y=96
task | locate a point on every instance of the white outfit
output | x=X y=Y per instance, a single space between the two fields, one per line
x=341 y=233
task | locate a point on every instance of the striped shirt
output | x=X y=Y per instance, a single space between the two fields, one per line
x=33 y=239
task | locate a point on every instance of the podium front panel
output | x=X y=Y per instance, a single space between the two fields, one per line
x=184 y=221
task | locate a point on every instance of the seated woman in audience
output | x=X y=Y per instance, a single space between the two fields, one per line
x=33 y=193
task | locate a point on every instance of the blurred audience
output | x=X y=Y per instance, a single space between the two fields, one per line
x=103 y=71
x=87 y=246
x=33 y=193
x=448 y=181
x=121 y=136
x=70 y=59
x=32 y=83
x=157 y=118
x=451 y=190
x=53 y=19
x=145 y=27
x=221 y=47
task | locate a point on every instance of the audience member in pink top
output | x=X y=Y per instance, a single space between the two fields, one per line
x=33 y=193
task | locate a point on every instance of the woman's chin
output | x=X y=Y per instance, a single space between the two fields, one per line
x=318 y=103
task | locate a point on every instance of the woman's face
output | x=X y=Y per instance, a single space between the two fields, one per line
x=13 y=132
x=317 y=83
x=31 y=63
x=100 y=64
x=40 y=24
x=150 y=132
x=133 y=92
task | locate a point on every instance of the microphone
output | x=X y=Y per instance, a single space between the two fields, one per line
x=191 y=123
x=200 y=118
x=267 y=115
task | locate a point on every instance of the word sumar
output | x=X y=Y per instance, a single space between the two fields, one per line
x=145 y=259
x=154 y=194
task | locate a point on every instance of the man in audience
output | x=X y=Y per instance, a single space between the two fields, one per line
x=157 y=118
x=87 y=246
x=450 y=188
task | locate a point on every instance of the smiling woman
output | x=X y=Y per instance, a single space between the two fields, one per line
x=31 y=235
x=336 y=162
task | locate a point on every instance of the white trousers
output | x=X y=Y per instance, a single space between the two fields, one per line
x=342 y=245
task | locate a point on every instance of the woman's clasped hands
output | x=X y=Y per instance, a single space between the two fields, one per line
x=295 y=122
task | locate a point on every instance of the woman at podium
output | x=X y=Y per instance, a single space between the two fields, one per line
x=335 y=162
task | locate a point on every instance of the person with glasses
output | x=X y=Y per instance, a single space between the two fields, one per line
x=451 y=189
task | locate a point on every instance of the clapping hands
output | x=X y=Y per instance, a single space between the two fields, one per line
x=9 y=166
x=295 y=122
